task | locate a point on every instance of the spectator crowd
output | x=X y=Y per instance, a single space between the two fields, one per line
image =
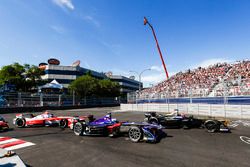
x=215 y=80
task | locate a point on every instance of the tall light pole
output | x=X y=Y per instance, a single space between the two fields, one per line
x=157 y=44
x=139 y=75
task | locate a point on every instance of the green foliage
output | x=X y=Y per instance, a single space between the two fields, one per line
x=84 y=86
x=23 y=77
x=11 y=73
x=107 y=88
x=89 y=86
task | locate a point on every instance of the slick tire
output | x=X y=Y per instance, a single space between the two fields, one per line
x=78 y=129
x=63 y=123
x=135 y=134
x=20 y=122
x=211 y=126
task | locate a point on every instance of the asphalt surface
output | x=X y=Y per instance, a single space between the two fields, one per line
x=194 y=147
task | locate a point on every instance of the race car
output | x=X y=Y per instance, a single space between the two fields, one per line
x=45 y=119
x=106 y=126
x=3 y=124
x=176 y=120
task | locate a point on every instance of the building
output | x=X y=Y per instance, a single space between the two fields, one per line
x=64 y=75
x=127 y=84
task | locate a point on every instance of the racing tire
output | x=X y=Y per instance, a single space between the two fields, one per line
x=78 y=129
x=153 y=121
x=20 y=122
x=63 y=123
x=135 y=134
x=211 y=126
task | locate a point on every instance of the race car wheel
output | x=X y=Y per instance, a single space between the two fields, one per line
x=20 y=122
x=135 y=134
x=153 y=121
x=63 y=123
x=211 y=126
x=78 y=129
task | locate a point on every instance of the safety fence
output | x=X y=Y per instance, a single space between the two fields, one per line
x=135 y=97
x=211 y=110
x=222 y=93
x=39 y=100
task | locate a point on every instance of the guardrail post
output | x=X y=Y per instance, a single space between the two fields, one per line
x=19 y=99
x=198 y=110
x=225 y=115
x=73 y=100
x=210 y=110
x=240 y=111
x=41 y=99
x=59 y=100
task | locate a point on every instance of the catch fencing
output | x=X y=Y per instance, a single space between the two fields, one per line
x=222 y=93
x=40 y=100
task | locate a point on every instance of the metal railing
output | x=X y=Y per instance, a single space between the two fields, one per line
x=221 y=94
x=22 y=99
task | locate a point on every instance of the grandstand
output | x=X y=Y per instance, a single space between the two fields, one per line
x=218 y=80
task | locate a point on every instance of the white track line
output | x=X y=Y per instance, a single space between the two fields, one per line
x=245 y=139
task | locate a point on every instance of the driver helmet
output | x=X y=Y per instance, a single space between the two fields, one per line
x=108 y=115
x=46 y=112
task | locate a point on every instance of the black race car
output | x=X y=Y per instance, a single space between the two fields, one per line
x=177 y=120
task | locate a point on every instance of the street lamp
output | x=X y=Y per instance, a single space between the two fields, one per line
x=139 y=75
x=157 y=44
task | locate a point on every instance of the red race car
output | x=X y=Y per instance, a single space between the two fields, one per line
x=3 y=124
x=45 y=119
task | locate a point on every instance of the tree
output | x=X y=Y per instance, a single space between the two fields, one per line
x=107 y=88
x=23 y=77
x=84 y=86
x=89 y=86
x=12 y=74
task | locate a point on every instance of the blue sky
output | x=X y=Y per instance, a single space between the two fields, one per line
x=109 y=35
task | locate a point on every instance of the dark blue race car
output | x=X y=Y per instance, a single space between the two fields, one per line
x=107 y=126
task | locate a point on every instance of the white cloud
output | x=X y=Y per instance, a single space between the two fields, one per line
x=209 y=62
x=120 y=72
x=157 y=68
x=92 y=20
x=64 y=3
x=156 y=77
x=58 y=29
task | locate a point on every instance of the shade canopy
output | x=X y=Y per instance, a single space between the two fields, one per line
x=52 y=85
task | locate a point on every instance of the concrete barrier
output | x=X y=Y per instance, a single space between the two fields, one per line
x=245 y=111
x=212 y=110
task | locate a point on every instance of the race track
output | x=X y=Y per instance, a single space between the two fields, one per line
x=53 y=146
